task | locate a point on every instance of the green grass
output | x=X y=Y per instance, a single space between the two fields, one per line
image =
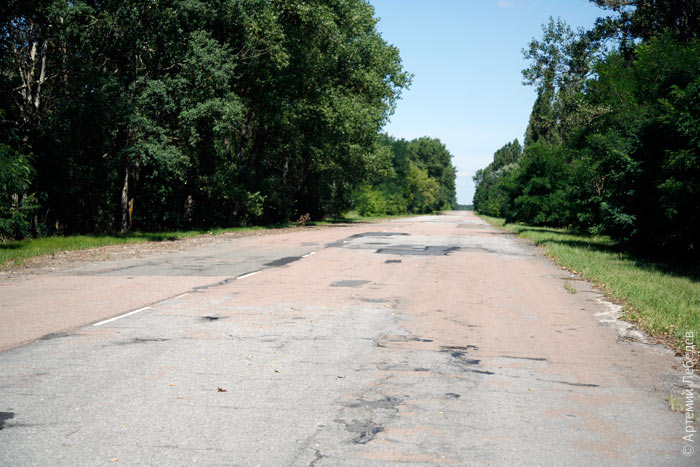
x=662 y=297
x=569 y=287
x=17 y=252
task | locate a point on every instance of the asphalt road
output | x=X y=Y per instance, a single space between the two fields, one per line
x=422 y=341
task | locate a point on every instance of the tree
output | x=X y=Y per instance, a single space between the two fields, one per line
x=490 y=197
x=612 y=144
x=168 y=113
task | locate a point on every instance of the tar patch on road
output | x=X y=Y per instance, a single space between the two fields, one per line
x=378 y=234
x=54 y=335
x=402 y=338
x=349 y=283
x=447 y=348
x=581 y=385
x=387 y=367
x=341 y=243
x=283 y=261
x=142 y=340
x=534 y=359
x=409 y=250
x=366 y=430
x=392 y=261
x=5 y=416
x=460 y=358
x=385 y=403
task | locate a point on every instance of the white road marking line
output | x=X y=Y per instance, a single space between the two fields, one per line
x=122 y=316
x=248 y=275
x=182 y=295
x=308 y=254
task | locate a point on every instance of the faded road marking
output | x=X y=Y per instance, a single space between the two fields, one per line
x=248 y=275
x=122 y=316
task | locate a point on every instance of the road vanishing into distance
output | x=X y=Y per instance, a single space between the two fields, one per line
x=434 y=340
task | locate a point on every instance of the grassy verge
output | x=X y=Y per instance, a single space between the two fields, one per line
x=662 y=297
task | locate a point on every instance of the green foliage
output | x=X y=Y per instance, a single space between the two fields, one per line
x=647 y=150
x=613 y=142
x=370 y=202
x=16 y=205
x=414 y=176
x=536 y=190
x=490 y=196
x=160 y=114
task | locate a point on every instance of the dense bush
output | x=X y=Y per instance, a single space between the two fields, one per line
x=414 y=176
x=172 y=113
x=613 y=144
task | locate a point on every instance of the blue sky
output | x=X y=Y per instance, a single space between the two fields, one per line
x=465 y=55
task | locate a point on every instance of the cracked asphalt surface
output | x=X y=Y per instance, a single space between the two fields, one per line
x=434 y=340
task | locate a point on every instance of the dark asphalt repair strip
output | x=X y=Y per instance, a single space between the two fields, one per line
x=367 y=430
x=377 y=234
x=582 y=385
x=341 y=243
x=444 y=348
x=205 y=287
x=387 y=402
x=386 y=367
x=459 y=355
x=405 y=339
x=210 y=318
x=349 y=283
x=317 y=457
x=142 y=340
x=392 y=261
x=5 y=416
x=536 y=359
x=408 y=250
x=54 y=335
x=283 y=261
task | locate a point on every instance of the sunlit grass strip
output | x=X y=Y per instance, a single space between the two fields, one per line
x=663 y=298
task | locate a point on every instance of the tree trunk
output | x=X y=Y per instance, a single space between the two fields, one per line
x=189 y=208
x=125 y=202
